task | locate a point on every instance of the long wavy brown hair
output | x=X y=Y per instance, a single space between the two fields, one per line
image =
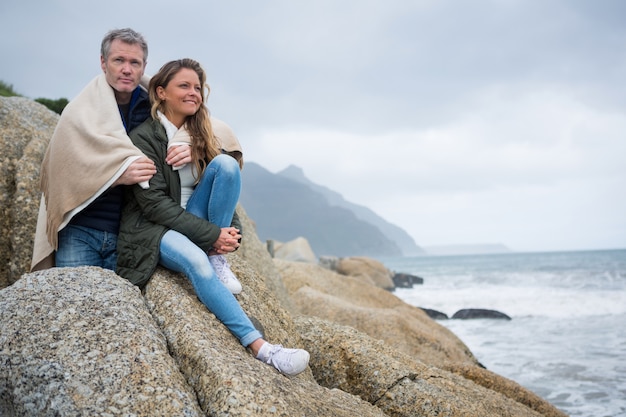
x=204 y=144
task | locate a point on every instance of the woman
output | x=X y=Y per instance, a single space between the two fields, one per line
x=183 y=220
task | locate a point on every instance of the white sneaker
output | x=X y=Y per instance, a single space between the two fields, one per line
x=222 y=269
x=288 y=361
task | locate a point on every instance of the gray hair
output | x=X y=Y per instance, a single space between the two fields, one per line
x=125 y=35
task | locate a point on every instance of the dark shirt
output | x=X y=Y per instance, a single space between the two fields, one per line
x=105 y=211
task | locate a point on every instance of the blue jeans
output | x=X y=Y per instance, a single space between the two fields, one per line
x=79 y=246
x=216 y=195
x=214 y=199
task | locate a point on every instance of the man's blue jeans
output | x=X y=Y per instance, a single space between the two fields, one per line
x=214 y=199
x=79 y=245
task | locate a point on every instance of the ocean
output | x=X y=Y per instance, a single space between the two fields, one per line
x=566 y=341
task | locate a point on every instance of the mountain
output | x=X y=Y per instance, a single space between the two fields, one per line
x=391 y=231
x=284 y=209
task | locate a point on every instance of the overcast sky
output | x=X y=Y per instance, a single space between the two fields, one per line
x=462 y=122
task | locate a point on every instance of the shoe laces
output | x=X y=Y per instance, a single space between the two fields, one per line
x=220 y=264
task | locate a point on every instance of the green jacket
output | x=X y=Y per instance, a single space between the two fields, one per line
x=149 y=213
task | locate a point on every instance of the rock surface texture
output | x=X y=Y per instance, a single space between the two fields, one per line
x=85 y=342
x=25 y=129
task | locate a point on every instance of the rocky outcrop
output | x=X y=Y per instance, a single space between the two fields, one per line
x=83 y=341
x=397 y=383
x=404 y=280
x=368 y=270
x=25 y=129
x=297 y=250
x=434 y=314
x=80 y=341
x=316 y=291
x=398 y=328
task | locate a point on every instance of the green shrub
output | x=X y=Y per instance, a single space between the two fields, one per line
x=56 y=106
x=6 y=90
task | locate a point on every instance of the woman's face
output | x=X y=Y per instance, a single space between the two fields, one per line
x=182 y=97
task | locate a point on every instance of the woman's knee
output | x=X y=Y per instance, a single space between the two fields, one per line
x=198 y=261
x=227 y=164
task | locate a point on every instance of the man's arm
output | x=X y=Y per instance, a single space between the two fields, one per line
x=142 y=169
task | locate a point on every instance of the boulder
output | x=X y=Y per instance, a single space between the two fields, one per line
x=297 y=250
x=479 y=313
x=225 y=377
x=366 y=269
x=374 y=311
x=25 y=129
x=83 y=341
x=434 y=314
x=401 y=328
x=404 y=280
x=80 y=341
x=329 y=262
x=400 y=385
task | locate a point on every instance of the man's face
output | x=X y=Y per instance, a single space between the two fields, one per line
x=123 y=68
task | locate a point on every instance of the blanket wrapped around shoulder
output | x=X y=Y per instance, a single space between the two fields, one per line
x=227 y=139
x=89 y=150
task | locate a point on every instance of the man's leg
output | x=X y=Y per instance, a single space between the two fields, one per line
x=80 y=246
x=108 y=251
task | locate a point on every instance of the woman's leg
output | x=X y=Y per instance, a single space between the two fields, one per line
x=179 y=254
x=216 y=195
x=214 y=199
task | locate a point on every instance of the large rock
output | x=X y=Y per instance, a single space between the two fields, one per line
x=297 y=250
x=479 y=313
x=346 y=300
x=224 y=375
x=316 y=291
x=25 y=129
x=80 y=342
x=398 y=384
x=368 y=270
x=83 y=341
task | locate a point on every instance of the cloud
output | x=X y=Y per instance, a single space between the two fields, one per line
x=476 y=121
x=537 y=165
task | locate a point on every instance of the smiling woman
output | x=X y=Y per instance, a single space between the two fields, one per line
x=186 y=220
x=184 y=94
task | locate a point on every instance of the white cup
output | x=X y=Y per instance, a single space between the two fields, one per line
x=169 y=145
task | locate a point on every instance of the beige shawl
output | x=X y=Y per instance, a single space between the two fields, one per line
x=227 y=139
x=89 y=150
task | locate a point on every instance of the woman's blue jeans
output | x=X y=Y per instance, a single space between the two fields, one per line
x=214 y=199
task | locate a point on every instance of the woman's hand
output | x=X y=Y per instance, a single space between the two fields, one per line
x=227 y=242
x=178 y=156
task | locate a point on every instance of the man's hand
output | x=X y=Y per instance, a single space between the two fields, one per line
x=142 y=169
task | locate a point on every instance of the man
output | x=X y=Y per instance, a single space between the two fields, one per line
x=90 y=158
